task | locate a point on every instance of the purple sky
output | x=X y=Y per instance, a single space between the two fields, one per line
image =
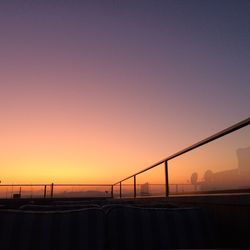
x=128 y=78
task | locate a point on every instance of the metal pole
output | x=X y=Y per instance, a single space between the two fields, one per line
x=112 y=191
x=52 y=190
x=120 y=189
x=45 y=191
x=134 y=186
x=166 y=178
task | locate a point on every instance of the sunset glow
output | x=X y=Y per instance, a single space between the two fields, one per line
x=91 y=92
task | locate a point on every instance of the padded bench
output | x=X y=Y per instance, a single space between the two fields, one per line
x=113 y=227
x=158 y=228
x=27 y=230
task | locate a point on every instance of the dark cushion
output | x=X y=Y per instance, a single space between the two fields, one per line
x=80 y=229
x=28 y=207
x=158 y=228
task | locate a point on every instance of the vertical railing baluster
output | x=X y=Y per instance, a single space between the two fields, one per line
x=52 y=190
x=120 y=189
x=45 y=191
x=112 y=191
x=134 y=186
x=166 y=179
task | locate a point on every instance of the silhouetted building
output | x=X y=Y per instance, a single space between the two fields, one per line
x=232 y=178
x=145 y=189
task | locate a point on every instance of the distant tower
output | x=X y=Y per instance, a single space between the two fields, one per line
x=194 y=179
x=243 y=158
x=145 y=189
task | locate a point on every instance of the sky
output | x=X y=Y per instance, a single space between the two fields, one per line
x=93 y=91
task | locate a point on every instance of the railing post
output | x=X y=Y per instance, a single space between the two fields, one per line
x=52 y=190
x=134 y=186
x=45 y=191
x=120 y=189
x=112 y=191
x=166 y=178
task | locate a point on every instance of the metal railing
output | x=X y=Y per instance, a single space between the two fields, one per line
x=165 y=161
x=55 y=190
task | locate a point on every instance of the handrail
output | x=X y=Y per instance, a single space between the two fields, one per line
x=83 y=185
x=61 y=185
x=25 y=185
x=28 y=185
x=53 y=185
x=222 y=133
x=218 y=135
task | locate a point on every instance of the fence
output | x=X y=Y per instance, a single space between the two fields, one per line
x=221 y=175
x=55 y=190
x=217 y=155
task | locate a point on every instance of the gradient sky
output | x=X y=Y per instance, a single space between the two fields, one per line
x=92 y=91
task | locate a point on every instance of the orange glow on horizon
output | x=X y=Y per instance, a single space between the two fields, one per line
x=72 y=161
x=95 y=92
